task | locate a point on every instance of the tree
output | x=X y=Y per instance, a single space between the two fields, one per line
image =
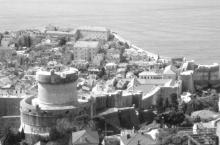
x=173 y=102
x=170 y=118
x=24 y=41
x=102 y=72
x=11 y=137
x=200 y=103
x=166 y=103
x=62 y=41
x=1 y=37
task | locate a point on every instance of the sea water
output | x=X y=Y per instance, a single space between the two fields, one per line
x=173 y=28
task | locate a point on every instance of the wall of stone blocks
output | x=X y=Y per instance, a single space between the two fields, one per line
x=9 y=121
x=10 y=106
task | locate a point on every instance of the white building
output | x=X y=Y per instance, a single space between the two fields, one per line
x=149 y=75
x=152 y=78
x=111 y=68
x=86 y=50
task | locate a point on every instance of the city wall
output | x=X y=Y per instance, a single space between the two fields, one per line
x=207 y=76
x=149 y=100
x=9 y=121
x=117 y=99
x=9 y=106
x=39 y=119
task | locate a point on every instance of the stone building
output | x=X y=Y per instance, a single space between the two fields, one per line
x=54 y=35
x=111 y=69
x=187 y=79
x=113 y=55
x=86 y=50
x=98 y=59
x=93 y=33
x=56 y=103
x=149 y=75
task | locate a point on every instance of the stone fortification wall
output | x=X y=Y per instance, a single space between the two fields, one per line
x=167 y=91
x=41 y=120
x=128 y=118
x=113 y=99
x=112 y=117
x=9 y=106
x=9 y=121
x=206 y=75
x=56 y=101
x=187 y=81
x=149 y=99
x=117 y=99
x=100 y=101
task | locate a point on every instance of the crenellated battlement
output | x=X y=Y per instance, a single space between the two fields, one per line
x=57 y=77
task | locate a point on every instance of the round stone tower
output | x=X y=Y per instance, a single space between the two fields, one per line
x=56 y=102
x=56 y=88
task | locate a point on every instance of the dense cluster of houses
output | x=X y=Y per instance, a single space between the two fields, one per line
x=113 y=73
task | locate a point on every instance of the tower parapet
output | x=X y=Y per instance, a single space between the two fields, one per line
x=53 y=77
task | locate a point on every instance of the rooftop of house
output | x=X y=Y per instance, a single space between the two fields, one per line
x=148 y=73
x=58 y=33
x=93 y=28
x=85 y=136
x=188 y=72
x=111 y=64
x=137 y=138
x=205 y=114
x=170 y=70
x=87 y=44
x=5 y=83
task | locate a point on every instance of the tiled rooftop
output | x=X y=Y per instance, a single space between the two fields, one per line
x=92 y=28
